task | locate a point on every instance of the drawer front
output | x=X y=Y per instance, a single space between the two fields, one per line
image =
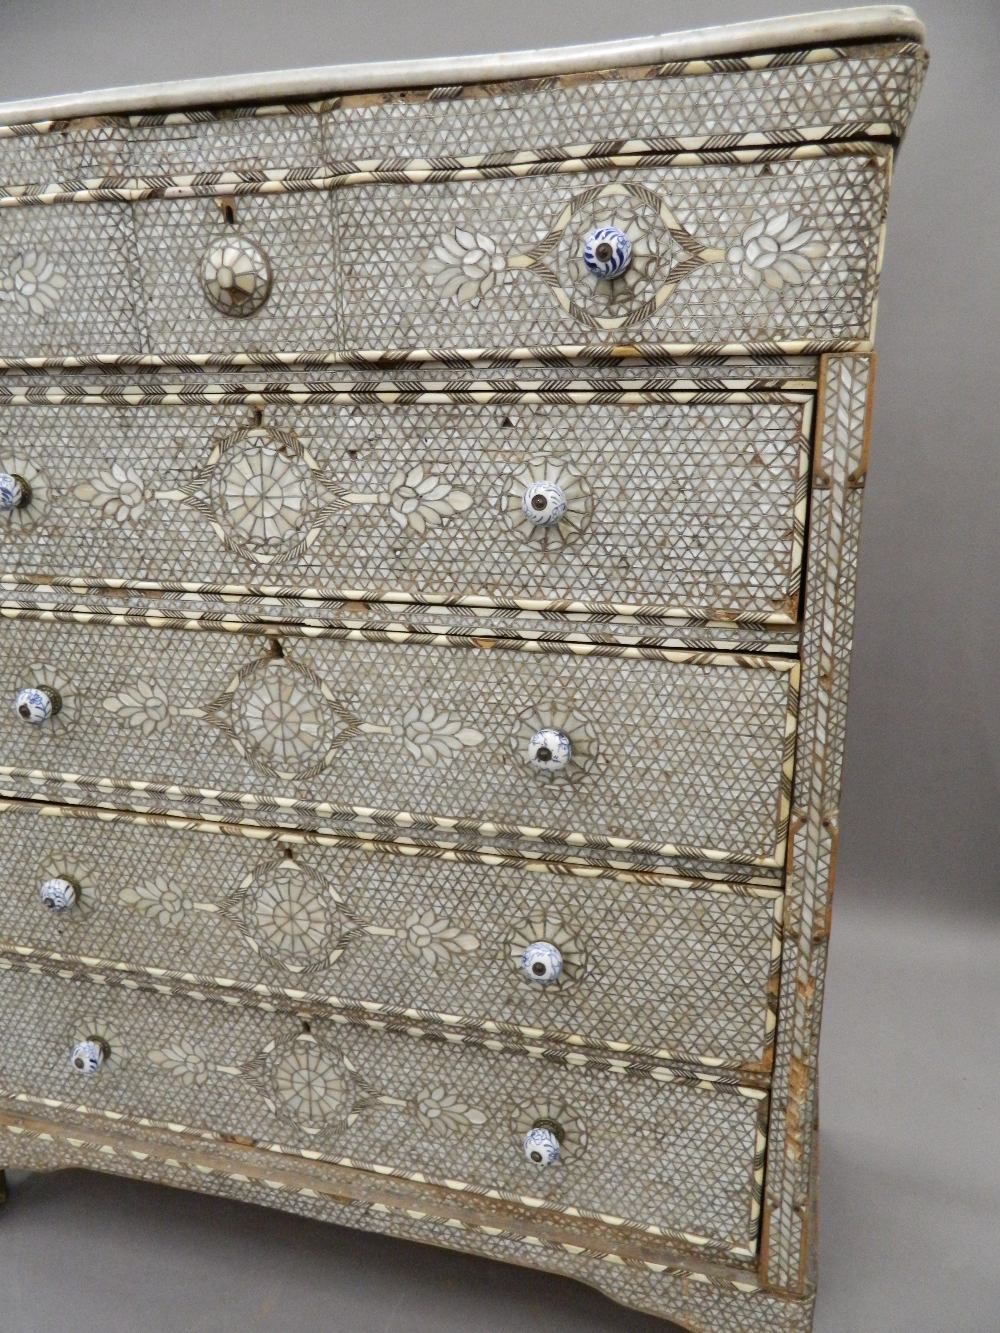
x=714 y=254
x=665 y=1156
x=628 y=748
x=669 y=967
x=694 y=508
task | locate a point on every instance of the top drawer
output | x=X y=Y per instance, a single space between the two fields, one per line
x=755 y=254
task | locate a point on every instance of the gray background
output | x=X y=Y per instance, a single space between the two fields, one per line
x=911 y=1185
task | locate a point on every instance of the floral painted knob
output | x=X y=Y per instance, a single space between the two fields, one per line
x=543 y=1145
x=88 y=1056
x=15 y=492
x=542 y=963
x=607 y=252
x=37 y=703
x=236 y=276
x=58 y=894
x=549 y=750
x=544 y=503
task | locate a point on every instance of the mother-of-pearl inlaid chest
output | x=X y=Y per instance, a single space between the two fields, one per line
x=429 y=503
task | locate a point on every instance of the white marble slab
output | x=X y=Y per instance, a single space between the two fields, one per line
x=828 y=27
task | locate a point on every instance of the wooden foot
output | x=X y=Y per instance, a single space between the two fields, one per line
x=3 y=1188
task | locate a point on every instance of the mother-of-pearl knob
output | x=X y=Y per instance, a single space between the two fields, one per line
x=37 y=703
x=550 y=750
x=607 y=252
x=542 y=963
x=14 y=492
x=542 y=1145
x=236 y=276
x=88 y=1056
x=58 y=894
x=543 y=503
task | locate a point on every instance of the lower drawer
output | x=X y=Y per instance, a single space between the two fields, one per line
x=681 y=1159
x=652 y=963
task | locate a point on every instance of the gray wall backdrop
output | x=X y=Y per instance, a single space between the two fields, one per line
x=911 y=1176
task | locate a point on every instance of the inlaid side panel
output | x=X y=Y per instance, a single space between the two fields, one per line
x=398 y=499
x=835 y=518
x=678 y=753
x=645 y=963
x=666 y=1157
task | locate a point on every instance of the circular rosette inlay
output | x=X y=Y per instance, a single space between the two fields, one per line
x=264 y=494
x=584 y=751
x=311 y=1085
x=236 y=275
x=545 y=926
x=283 y=718
x=289 y=915
x=652 y=250
x=565 y=494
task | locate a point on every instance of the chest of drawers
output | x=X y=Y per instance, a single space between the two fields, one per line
x=428 y=530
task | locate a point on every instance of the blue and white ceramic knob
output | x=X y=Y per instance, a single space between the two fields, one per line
x=550 y=750
x=543 y=503
x=542 y=963
x=607 y=252
x=541 y=1146
x=14 y=492
x=58 y=894
x=37 y=704
x=88 y=1056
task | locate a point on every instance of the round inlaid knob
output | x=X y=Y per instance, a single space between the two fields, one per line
x=37 y=703
x=15 y=492
x=550 y=750
x=607 y=252
x=236 y=276
x=58 y=894
x=88 y=1056
x=542 y=963
x=542 y=1145
x=543 y=503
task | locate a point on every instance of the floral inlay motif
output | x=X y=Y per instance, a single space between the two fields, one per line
x=416 y=499
x=469 y=266
x=439 y=1109
x=430 y=939
x=466 y=265
x=550 y=538
x=141 y=704
x=119 y=494
x=430 y=735
x=778 y=251
x=264 y=494
x=184 y=1061
x=32 y=283
x=312 y=1084
x=158 y=899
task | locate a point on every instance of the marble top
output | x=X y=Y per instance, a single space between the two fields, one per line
x=825 y=28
